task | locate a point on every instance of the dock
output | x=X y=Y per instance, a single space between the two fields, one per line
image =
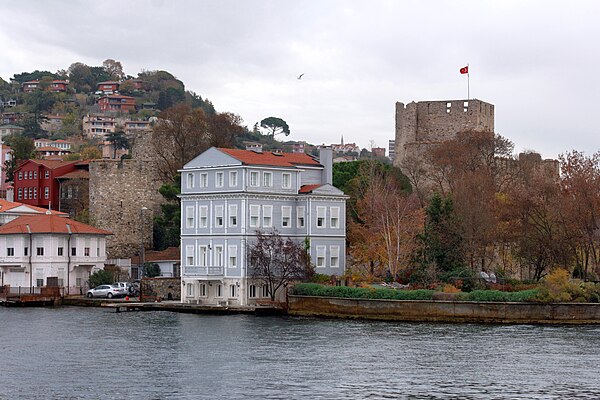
x=192 y=308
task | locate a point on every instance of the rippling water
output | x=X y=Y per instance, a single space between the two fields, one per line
x=83 y=353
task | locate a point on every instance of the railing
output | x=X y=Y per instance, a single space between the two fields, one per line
x=201 y=271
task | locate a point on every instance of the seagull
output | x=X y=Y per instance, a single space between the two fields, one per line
x=300 y=77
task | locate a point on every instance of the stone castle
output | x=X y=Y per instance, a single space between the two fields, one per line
x=426 y=123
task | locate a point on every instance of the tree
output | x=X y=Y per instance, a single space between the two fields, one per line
x=277 y=261
x=113 y=68
x=118 y=141
x=151 y=270
x=167 y=225
x=23 y=148
x=383 y=235
x=275 y=126
x=90 y=153
x=182 y=133
x=101 y=277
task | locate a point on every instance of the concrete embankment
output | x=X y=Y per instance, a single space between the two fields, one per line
x=445 y=311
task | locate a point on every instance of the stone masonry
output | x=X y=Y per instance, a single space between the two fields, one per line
x=427 y=123
x=119 y=189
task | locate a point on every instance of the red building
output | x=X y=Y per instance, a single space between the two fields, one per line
x=117 y=102
x=57 y=85
x=36 y=181
x=378 y=151
x=30 y=86
x=108 y=87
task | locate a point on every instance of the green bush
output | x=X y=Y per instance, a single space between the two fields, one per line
x=313 y=289
x=101 y=277
x=496 y=295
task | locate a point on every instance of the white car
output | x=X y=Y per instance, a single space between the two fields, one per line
x=124 y=287
x=108 y=291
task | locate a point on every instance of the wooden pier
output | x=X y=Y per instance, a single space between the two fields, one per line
x=193 y=308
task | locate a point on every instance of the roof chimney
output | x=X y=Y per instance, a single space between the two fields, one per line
x=326 y=160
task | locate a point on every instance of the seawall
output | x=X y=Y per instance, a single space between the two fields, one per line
x=445 y=311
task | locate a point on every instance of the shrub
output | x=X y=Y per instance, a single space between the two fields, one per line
x=558 y=287
x=101 y=277
x=496 y=295
x=313 y=289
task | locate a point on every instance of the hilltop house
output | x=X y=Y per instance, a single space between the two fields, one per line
x=229 y=194
x=34 y=248
x=116 y=103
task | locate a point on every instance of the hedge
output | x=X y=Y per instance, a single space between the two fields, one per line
x=313 y=289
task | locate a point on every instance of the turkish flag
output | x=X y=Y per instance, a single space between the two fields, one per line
x=464 y=70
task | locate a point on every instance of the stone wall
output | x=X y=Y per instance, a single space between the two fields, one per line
x=438 y=121
x=160 y=288
x=124 y=198
x=445 y=311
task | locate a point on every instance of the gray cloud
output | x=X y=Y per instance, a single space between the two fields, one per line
x=535 y=61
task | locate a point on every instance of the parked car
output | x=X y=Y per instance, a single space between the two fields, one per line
x=124 y=287
x=108 y=291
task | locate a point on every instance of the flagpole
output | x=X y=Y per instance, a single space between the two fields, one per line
x=468 y=84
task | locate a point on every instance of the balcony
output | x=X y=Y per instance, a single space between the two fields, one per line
x=202 y=272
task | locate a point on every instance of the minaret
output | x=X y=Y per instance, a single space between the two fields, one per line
x=342 y=143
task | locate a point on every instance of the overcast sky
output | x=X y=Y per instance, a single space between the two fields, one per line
x=537 y=61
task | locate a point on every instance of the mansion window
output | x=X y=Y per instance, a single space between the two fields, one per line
x=320 y=256
x=232 y=251
x=189 y=217
x=300 y=217
x=286 y=216
x=203 y=290
x=190 y=290
x=265 y=291
x=60 y=251
x=202 y=256
x=267 y=216
x=25 y=251
x=321 y=217
x=233 y=178
x=254 y=215
x=335 y=217
x=252 y=291
x=73 y=251
x=219 y=216
x=219 y=179
x=286 y=180
x=334 y=256
x=190 y=180
x=232 y=215
x=47 y=191
x=10 y=251
x=218 y=256
x=86 y=251
x=47 y=174
x=219 y=289
x=232 y=290
x=267 y=179
x=253 y=178
x=189 y=255
x=203 y=180
x=39 y=251
x=203 y=216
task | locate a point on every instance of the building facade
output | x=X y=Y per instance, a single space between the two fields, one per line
x=116 y=103
x=37 y=247
x=228 y=195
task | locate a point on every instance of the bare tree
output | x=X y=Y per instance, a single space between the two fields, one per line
x=276 y=261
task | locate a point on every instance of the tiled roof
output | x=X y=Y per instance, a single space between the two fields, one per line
x=168 y=254
x=50 y=148
x=77 y=174
x=48 y=223
x=308 y=188
x=250 y=157
x=6 y=205
x=51 y=164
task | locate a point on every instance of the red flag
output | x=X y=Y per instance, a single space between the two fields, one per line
x=464 y=70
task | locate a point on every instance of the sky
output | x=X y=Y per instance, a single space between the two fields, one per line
x=536 y=61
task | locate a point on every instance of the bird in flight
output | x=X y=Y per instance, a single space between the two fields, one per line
x=300 y=77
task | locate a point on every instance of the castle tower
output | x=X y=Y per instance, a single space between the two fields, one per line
x=426 y=123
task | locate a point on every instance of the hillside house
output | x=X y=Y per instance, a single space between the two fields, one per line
x=229 y=194
x=98 y=125
x=107 y=87
x=116 y=103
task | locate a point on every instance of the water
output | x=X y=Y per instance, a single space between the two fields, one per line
x=84 y=353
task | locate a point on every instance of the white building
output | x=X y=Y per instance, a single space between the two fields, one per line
x=36 y=247
x=10 y=210
x=229 y=194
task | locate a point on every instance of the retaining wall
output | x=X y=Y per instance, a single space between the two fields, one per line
x=445 y=311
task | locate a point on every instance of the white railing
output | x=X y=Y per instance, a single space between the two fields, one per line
x=202 y=271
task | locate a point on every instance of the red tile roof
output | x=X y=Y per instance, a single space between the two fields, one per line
x=168 y=254
x=77 y=174
x=48 y=223
x=250 y=157
x=50 y=164
x=308 y=188
x=6 y=205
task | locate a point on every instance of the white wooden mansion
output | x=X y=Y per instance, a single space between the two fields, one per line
x=34 y=248
x=229 y=194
